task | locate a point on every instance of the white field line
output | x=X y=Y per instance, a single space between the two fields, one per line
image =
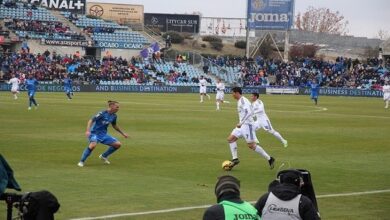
x=206 y=206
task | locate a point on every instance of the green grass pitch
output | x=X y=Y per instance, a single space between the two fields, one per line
x=177 y=146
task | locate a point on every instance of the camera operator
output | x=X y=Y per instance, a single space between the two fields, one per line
x=285 y=200
x=230 y=205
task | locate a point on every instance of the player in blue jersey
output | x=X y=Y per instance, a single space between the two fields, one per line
x=68 y=86
x=31 y=85
x=314 y=91
x=97 y=133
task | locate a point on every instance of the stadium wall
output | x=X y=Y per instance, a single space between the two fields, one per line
x=195 y=89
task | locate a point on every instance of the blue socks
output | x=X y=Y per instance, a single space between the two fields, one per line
x=32 y=101
x=85 y=154
x=109 y=151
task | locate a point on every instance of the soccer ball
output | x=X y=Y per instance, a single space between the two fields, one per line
x=227 y=165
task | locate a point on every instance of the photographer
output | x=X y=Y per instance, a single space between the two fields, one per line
x=285 y=200
x=230 y=205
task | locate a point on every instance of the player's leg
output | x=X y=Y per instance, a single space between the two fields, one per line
x=68 y=94
x=266 y=125
x=201 y=97
x=208 y=96
x=232 y=140
x=387 y=104
x=250 y=138
x=218 y=103
x=14 y=92
x=88 y=150
x=113 y=144
x=32 y=98
x=387 y=99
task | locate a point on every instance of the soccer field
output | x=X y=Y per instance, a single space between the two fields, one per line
x=177 y=145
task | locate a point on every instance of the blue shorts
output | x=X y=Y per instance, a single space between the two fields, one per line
x=31 y=93
x=314 y=96
x=68 y=90
x=104 y=139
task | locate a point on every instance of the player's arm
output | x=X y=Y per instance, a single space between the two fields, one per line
x=119 y=130
x=248 y=114
x=89 y=124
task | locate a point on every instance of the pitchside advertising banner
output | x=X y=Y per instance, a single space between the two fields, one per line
x=270 y=14
x=74 y=6
x=195 y=89
x=173 y=22
x=343 y=92
x=118 y=45
x=72 y=43
x=129 y=88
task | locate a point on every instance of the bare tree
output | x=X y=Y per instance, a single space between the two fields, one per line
x=383 y=34
x=322 y=20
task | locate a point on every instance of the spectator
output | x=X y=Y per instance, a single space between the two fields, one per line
x=168 y=41
x=285 y=201
x=230 y=205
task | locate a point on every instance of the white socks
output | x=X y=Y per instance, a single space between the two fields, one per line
x=278 y=136
x=201 y=98
x=15 y=96
x=233 y=149
x=261 y=151
x=387 y=104
x=217 y=105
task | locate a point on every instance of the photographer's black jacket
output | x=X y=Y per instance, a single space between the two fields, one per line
x=287 y=192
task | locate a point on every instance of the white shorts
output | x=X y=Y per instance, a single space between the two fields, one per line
x=247 y=132
x=220 y=96
x=14 y=89
x=203 y=89
x=386 y=96
x=263 y=123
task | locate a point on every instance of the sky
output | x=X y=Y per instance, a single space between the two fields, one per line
x=365 y=18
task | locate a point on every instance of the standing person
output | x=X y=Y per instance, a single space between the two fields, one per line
x=203 y=88
x=386 y=93
x=15 y=86
x=220 y=93
x=314 y=90
x=97 y=133
x=31 y=84
x=285 y=200
x=68 y=86
x=262 y=120
x=244 y=129
x=230 y=205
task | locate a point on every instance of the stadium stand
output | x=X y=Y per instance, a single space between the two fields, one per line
x=104 y=31
x=29 y=21
x=50 y=67
x=341 y=72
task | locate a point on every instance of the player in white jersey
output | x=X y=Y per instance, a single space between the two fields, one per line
x=203 y=88
x=386 y=93
x=15 y=85
x=245 y=129
x=220 y=93
x=262 y=120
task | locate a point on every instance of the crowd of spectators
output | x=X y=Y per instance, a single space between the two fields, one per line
x=51 y=66
x=43 y=27
x=341 y=72
x=18 y=4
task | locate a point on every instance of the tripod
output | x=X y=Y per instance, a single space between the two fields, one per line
x=10 y=199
